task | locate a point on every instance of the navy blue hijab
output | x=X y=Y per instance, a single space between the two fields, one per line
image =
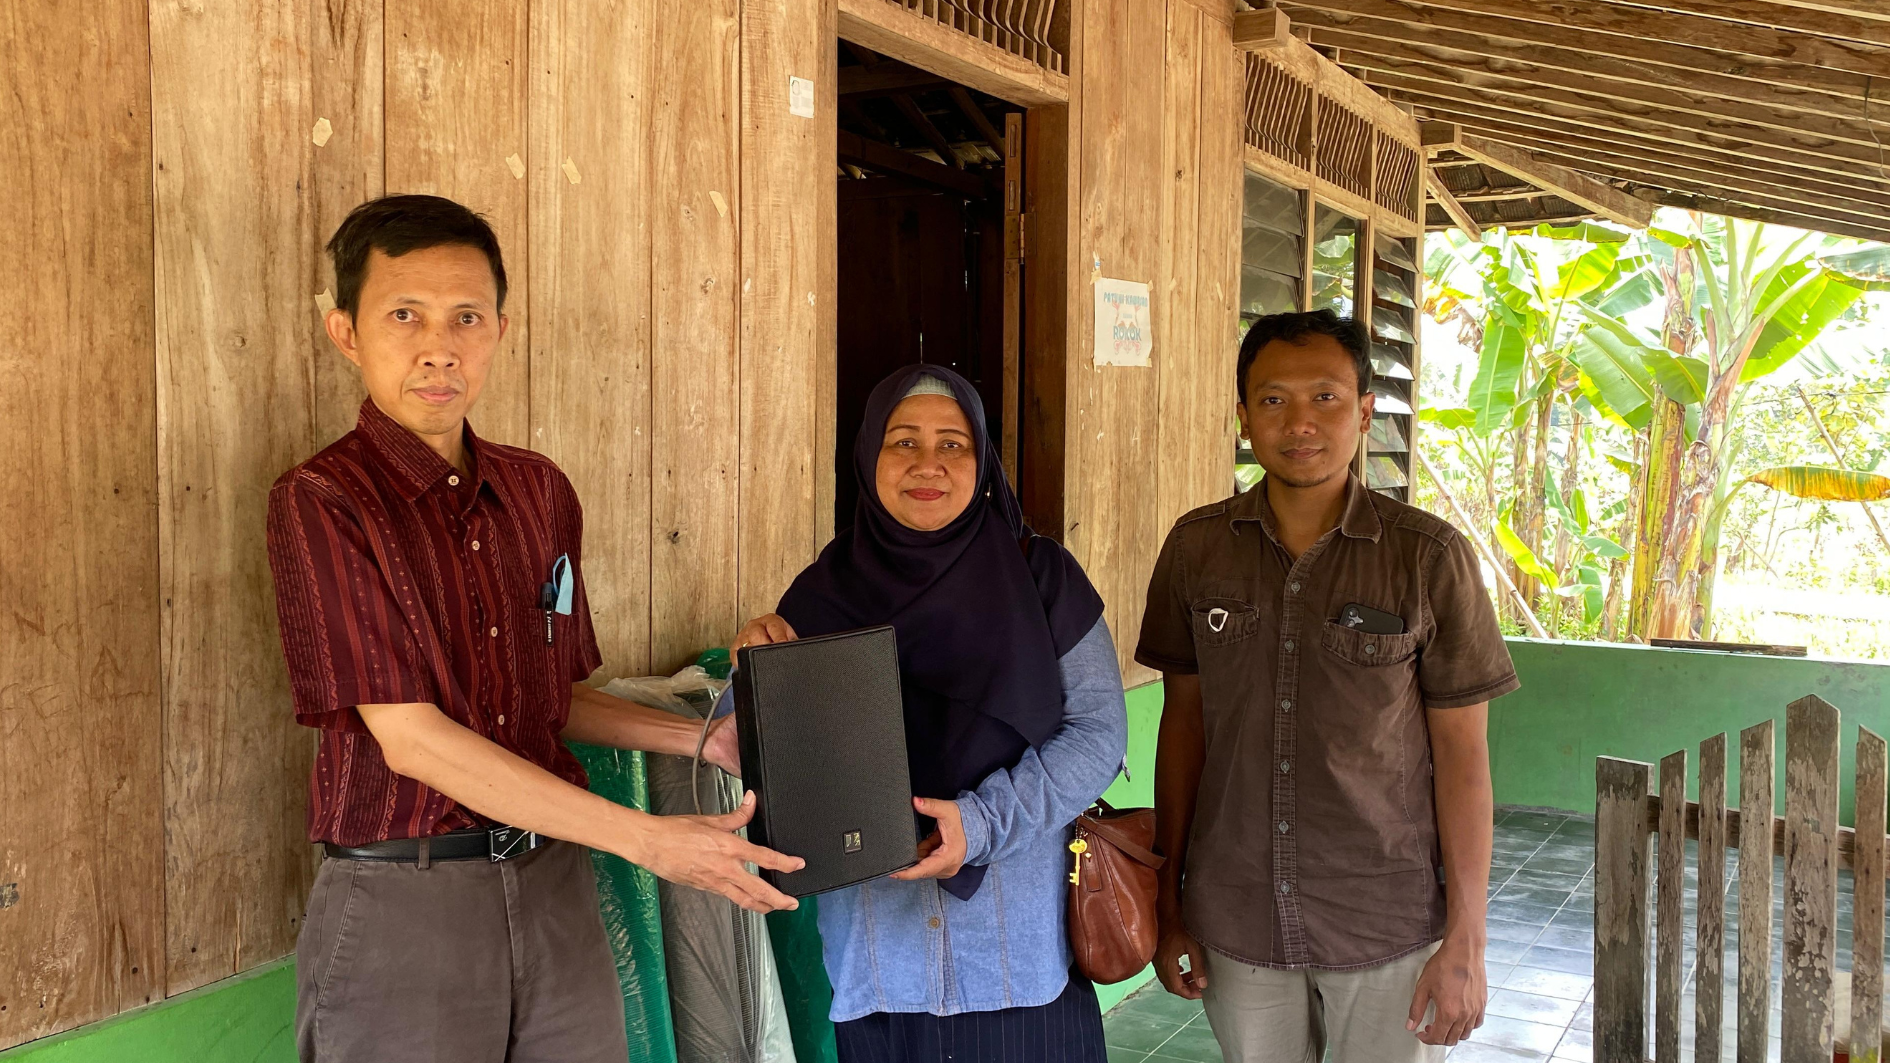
x=983 y=609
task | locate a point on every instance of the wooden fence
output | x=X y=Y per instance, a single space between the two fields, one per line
x=1820 y=1005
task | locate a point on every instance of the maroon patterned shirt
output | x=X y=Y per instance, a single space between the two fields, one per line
x=400 y=580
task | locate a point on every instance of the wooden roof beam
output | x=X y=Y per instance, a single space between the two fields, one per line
x=886 y=79
x=1798 y=131
x=884 y=158
x=1659 y=167
x=1773 y=216
x=1835 y=216
x=1257 y=31
x=979 y=120
x=1782 y=204
x=1657 y=60
x=1575 y=68
x=1732 y=156
x=917 y=117
x=1666 y=27
x=1776 y=147
x=1536 y=169
x=1854 y=21
x=1444 y=199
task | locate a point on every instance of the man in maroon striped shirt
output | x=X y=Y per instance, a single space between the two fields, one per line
x=430 y=590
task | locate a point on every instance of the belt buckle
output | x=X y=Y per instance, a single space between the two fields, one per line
x=504 y=843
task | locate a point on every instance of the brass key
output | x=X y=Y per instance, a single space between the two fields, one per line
x=1079 y=847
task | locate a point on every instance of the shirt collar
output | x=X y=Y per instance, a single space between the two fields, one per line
x=1360 y=519
x=414 y=466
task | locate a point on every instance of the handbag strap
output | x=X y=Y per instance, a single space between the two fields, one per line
x=1108 y=832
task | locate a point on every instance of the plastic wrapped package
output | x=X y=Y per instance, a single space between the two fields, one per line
x=627 y=899
x=725 y=994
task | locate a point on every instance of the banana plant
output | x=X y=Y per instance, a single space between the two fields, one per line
x=1742 y=301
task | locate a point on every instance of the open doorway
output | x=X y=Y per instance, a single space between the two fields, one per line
x=930 y=180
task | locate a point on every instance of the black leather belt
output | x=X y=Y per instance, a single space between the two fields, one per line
x=490 y=843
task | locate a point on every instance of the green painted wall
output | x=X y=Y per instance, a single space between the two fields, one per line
x=1138 y=790
x=1581 y=700
x=246 y=1019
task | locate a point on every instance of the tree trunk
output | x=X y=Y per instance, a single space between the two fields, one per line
x=1525 y=584
x=1666 y=446
x=1619 y=572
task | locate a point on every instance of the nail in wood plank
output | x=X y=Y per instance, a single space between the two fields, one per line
x=1811 y=834
x=1867 y=897
x=1756 y=751
x=1669 y=899
x=1621 y=882
x=1710 y=928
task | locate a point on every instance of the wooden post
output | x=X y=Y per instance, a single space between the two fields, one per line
x=1621 y=909
x=1811 y=836
x=1013 y=287
x=1669 y=906
x=1756 y=749
x=1710 y=926
x=1867 y=897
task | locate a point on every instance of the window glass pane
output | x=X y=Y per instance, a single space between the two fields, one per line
x=1335 y=260
x=1275 y=206
x=1266 y=292
x=1273 y=250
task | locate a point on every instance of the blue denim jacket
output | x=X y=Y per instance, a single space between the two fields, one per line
x=911 y=947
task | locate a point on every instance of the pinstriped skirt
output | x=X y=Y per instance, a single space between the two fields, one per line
x=1069 y=1029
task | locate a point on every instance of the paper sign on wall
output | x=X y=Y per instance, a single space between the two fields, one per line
x=1123 y=332
x=800 y=97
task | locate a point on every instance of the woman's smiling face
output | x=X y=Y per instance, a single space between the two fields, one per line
x=928 y=463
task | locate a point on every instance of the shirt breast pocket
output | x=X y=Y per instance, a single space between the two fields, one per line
x=1224 y=621
x=1366 y=649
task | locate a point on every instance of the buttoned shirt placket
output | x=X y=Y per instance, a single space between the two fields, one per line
x=1286 y=747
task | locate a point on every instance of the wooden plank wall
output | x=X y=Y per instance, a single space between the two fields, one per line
x=81 y=873
x=1143 y=446
x=169 y=365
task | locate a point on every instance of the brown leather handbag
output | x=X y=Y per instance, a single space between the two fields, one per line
x=1112 y=892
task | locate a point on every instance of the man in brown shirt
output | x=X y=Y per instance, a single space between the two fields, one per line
x=1322 y=778
x=429 y=585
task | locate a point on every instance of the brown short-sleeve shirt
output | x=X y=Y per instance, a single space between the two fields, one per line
x=1315 y=839
x=400 y=580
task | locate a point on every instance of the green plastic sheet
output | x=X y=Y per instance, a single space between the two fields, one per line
x=795 y=936
x=633 y=922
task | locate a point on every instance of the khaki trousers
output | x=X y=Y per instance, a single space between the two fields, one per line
x=465 y=961
x=1260 y=1015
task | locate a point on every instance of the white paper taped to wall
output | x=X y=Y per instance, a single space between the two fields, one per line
x=1123 y=332
x=800 y=97
x=323 y=130
x=516 y=165
x=571 y=171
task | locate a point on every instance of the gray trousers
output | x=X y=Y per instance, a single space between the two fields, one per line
x=466 y=961
x=1260 y=1015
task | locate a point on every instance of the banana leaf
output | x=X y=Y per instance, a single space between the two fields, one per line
x=1824 y=484
x=1524 y=557
x=1493 y=392
x=1614 y=357
x=1683 y=378
x=1801 y=319
x=1456 y=420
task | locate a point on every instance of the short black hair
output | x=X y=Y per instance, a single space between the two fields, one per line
x=395 y=225
x=1296 y=328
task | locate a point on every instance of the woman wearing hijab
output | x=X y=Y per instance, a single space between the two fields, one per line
x=1014 y=725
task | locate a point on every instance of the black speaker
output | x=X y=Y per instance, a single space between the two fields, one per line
x=823 y=737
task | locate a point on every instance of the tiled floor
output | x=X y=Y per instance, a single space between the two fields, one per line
x=1539 y=962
